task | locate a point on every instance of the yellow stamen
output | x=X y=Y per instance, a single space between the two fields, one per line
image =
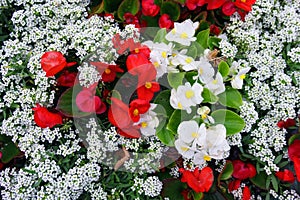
x=184 y=35
x=188 y=60
x=144 y=124
x=148 y=85
x=189 y=94
x=156 y=64
x=136 y=50
x=215 y=81
x=135 y=112
x=200 y=71
x=207 y=158
x=173 y=31
x=204 y=116
x=107 y=71
x=244 y=1
x=243 y=76
x=164 y=54
x=174 y=54
x=184 y=148
x=195 y=135
x=179 y=105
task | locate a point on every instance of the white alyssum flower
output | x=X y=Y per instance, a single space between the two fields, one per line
x=183 y=32
x=186 y=96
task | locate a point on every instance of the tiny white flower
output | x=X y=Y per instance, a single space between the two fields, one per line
x=183 y=33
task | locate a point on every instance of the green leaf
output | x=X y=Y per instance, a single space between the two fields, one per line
x=9 y=149
x=158 y=2
x=128 y=6
x=172 y=9
x=163 y=99
x=278 y=159
x=202 y=38
x=175 y=79
x=98 y=8
x=110 y=6
x=227 y=171
x=209 y=97
x=231 y=98
x=166 y=137
x=223 y=68
x=173 y=188
x=293 y=138
x=67 y=104
x=232 y=122
x=177 y=117
x=274 y=182
x=192 y=50
x=213 y=42
x=260 y=180
x=161 y=36
x=197 y=195
x=190 y=77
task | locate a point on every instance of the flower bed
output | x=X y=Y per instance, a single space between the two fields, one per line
x=150 y=100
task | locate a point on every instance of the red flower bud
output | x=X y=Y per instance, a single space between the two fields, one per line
x=67 y=79
x=165 y=22
x=281 y=124
x=214 y=29
x=243 y=170
x=44 y=118
x=290 y=122
x=53 y=62
x=193 y=4
x=234 y=185
x=246 y=193
x=286 y=176
x=149 y=8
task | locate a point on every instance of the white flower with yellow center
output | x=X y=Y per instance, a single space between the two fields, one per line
x=186 y=96
x=238 y=80
x=184 y=149
x=183 y=33
x=148 y=122
x=190 y=132
x=205 y=70
x=203 y=112
x=161 y=67
x=216 y=85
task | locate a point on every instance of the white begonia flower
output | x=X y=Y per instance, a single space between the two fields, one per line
x=148 y=121
x=183 y=32
x=186 y=96
x=184 y=149
x=238 y=80
x=161 y=68
x=203 y=112
x=205 y=70
x=216 y=85
x=190 y=132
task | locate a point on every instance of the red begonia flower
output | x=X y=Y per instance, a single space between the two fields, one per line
x=214 y=29
x=199 y=181
x=243 y=170
x=165 y=21
x=118 y=115
x=286 y=175
x=286 y=124
x=149 y=8
x=86 y=101
x=214 y=4
x=137 y=48
x=234 y=185
x=193 y=4
x=131 y=19
x=135 y=63
x=228 y=8
x=44 y=118
x=246 y=193
x=67 y=79
x=294 y=155
x=147 y=90
x=245 y=5
x=137 y=107
x=53 y=62
x=108 y=72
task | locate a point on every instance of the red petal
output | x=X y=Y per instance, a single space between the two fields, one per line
x=53 y=62
x=234 y=185
x=214 y=4
x=246 y=193
x=296 y=161
x=43 y=118
x=286 y=175
x=118 y=114
x=294 y=149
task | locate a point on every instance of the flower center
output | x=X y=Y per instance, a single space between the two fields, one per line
x=184 y=148
x=243 y=76
x=204 y=116
x=189 y=94
x=107 y=71
x=215 y=81
x=200 y=71
x=188 y=60
x=184 y=35
x=144 y=124
x=195 y=135
x=135 y=112
x=164 y=54
x=136 y=50
x=156 y=64
x=179 y=105
x=244 y=1
x=207 y=158
x=148 y=85
x=173 y=31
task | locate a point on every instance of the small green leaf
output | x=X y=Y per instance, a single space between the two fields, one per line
x=274 y=182
x=197 y=195
x=213 y=42
x=278 y=159
x=223 y=68
x=163 y=99
x=175 y=79
x=166 y=137
x=192 y=50
x=161 y=36
x=98 y=8
x=9 y=150
x=209 y=97
x=227 y=171
x=170 y=8
x=231 y=98
x=232 y=122
x=173 y=188
x=128 y=6
x=260 y=180
x=293 y=138
x=283 y=164
x=190 y=77
x=202 y=38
